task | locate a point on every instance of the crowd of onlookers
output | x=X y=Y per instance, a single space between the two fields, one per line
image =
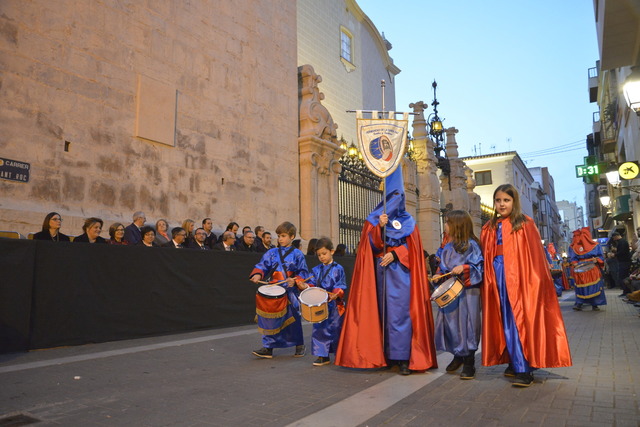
x=188 y=235
x=622 y=266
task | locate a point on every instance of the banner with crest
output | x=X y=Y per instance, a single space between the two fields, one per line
x=382 y=141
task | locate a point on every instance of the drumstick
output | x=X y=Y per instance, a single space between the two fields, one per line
x=440 y=276
x=280 y=282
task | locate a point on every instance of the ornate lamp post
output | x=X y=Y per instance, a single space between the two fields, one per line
x=436 y=131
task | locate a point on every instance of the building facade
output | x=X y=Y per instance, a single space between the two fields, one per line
x=172 y=108
x=616 y=128
x=493 y=170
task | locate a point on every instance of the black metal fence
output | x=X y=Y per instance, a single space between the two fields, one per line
x=359 y=192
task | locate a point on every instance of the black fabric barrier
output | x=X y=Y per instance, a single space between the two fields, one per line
x=71 y=293
x=17 y=260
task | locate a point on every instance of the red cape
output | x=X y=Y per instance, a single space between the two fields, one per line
x=360 y=343
x=532 y=296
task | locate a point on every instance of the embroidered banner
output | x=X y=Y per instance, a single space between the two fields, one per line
x=382 y=141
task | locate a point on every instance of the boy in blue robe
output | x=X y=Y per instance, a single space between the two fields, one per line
x=329 y=276
x=285 y=266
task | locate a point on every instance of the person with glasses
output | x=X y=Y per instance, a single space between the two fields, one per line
x=148 y=237
x=246 y=243
x=51 y=229
x=116 y=234
x=178 y=236
x=198 y=241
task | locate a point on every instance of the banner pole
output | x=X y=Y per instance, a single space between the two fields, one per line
x=384 y=239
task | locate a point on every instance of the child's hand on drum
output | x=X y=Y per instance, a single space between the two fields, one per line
x=255 y=278
x=301 y=285
x=332 y=296
x=458 y=269
x=290 y=282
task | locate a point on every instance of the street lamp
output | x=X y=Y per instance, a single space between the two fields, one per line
x=436 y=131
x=605 y=199
x=631 y=90
x=613 y=177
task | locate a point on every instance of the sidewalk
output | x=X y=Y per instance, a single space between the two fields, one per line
x=210 y=378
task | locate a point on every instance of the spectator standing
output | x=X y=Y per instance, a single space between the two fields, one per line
x=116 y=234
x=623 y=255
x=199 y=239
x=341 y=250
x=189 y=226
x=211 y=239
x=265 y=243
x=92 y=228
x=132 y=231
x=227 y=243
x=178 y=236
x=162 y=232
x=311 y=247
x=148 y=237
x=51 y=229
x=259 y=230
x=233 y=228
x=246 y=243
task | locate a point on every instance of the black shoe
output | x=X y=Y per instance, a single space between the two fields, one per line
x=577 y=307
x=300 y=350
x=523 y=379
x=595 y=308
x=468 y=370
x=322 y=361
x=509 y=372
x=455 y=364
x=404 y=367
x=265 y=353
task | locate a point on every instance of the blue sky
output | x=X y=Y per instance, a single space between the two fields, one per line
x=512 y=75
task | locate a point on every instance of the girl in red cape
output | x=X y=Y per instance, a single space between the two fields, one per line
x=521 y=320
x=388 y=315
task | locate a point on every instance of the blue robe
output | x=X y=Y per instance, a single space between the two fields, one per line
x=458 y=325
x=511 y=334
x=326 y=334
x=295 y=265
x=589 y=286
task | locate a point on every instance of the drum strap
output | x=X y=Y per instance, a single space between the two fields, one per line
x=282 y=258
x=324 y=273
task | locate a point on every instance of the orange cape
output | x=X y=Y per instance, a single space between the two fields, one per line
x=532 y=296
x=361 y=339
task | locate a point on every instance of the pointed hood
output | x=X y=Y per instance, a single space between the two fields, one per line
x=404 y=222
x=582 y=241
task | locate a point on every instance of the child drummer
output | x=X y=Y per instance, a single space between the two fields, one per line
x=287 y=265
x=457 y=326
x=329 y=276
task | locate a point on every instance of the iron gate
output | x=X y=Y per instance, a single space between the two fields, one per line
x=359 y=192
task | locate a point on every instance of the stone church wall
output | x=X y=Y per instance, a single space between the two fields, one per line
x=181 y=109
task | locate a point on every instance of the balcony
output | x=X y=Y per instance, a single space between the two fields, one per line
x=593 y=84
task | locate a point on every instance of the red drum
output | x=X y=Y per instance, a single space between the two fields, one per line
x=271 y=308
x=583 y=267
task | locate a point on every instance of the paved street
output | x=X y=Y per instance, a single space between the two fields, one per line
x=210 y=378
